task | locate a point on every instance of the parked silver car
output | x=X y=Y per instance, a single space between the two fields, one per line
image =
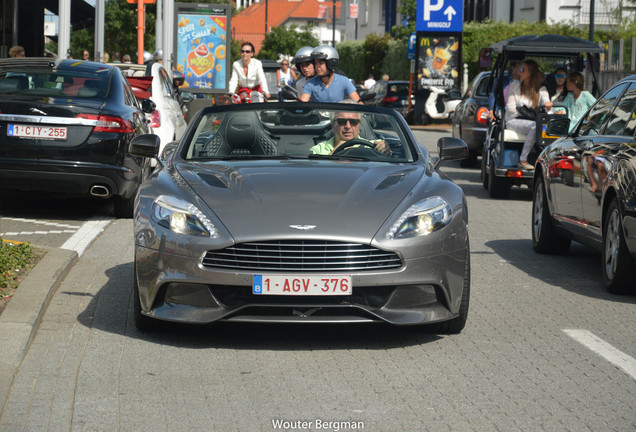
x=255 y=217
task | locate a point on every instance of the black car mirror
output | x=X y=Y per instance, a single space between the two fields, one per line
x=148 y=106
x=146 y=145
x=186 y=96
x=178 y=81
x=450 y=148
x=558 y=126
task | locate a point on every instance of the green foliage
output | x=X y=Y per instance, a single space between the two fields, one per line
x=15 y=260
x=351 y=55
x=285 y=41
x=375 y=49
x=407 y=10
x=395 y=63
x=479 y=35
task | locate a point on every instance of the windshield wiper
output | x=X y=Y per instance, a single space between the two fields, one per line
x=336 y=157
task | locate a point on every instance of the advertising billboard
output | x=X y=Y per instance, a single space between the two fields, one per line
x=202 y=46
x=439 y=61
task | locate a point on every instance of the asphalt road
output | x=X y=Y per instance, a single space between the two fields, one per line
x=545 y=349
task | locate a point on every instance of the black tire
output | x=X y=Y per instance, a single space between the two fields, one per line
x=470 y=161
x=544 y=239
x=484 y=169
x=142 y=322
x=497 y=187
x=617 y=265
x=456 y=325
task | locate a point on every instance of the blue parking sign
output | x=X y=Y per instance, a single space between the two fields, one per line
x=410 y=51
x=440 y=16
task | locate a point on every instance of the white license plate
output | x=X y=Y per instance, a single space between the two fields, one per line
x=27 y=131
x=318 y=285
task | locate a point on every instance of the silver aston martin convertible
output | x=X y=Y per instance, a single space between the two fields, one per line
x=301 y=213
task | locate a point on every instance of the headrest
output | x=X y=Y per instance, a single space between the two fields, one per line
x=241 y=131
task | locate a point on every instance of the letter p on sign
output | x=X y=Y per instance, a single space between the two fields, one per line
x=429 y=7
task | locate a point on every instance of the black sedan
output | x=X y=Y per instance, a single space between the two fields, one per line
x=65 y=127
x=391 y=94
x=585 y=186
x=470 y=121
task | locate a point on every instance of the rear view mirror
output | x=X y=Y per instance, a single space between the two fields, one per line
x=148 y=106
x=145 y=146
x=558 y=126
x=178 y=81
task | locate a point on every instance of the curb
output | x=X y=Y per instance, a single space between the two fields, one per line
x=21 y=318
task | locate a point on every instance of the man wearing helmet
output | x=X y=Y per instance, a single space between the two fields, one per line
x=327 y=86
x=305 y=66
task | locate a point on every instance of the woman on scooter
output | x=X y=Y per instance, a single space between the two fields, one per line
x=248 y=74
x=529 y=93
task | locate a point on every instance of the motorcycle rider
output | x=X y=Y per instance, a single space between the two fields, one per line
x=305 y=66
x=327 y=86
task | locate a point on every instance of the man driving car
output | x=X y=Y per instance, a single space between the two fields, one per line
x=346 y=126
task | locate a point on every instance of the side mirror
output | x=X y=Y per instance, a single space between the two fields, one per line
x=558 y=126
x=186 y=96
x=450 y=148
x=148 y=106
x=455 y=94
x=146 y=145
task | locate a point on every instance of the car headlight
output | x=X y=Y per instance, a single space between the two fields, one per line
x=422 y=219
x=182 y=217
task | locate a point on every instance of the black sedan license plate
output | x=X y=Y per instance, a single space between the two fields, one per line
x=28 y=131
x=317 y=285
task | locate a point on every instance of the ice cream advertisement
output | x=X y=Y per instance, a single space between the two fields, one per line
x=202 y=50
x=438 y=62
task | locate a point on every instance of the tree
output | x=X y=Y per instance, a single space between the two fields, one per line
x=407 y=10
x=286 y=41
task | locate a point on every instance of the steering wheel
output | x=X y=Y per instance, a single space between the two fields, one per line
x=355 y=141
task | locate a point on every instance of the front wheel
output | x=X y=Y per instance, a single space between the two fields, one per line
x=618 y=265
x=544 y=239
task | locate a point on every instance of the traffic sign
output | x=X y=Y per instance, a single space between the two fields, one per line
x=410 y=51
x=439 y=15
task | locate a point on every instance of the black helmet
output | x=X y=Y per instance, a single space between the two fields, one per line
x=303 y=55
x=328 y=53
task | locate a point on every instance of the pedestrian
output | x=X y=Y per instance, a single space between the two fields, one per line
x=16 y=51
x=370 y=82
x=116 y=57
x=126 y=58
x=106 y=57
x=86 y=55
x=284 y=76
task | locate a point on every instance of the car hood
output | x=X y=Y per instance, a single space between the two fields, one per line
x=341 y=199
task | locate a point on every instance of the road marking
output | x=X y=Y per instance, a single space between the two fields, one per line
x=86 y=234
x=605 y=350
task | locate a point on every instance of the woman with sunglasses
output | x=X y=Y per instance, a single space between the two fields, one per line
x=284 y=76
x=529 y=93
x=557 y=87
x=248 y=75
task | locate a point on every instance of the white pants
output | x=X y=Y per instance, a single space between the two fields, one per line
x=528 y=128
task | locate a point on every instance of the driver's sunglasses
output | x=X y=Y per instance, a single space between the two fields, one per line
x=246 y=51
x=343 y=121
x=521 y=69
x=559 y=75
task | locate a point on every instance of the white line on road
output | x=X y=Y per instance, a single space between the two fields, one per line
x=86 y=234
x=605 y=350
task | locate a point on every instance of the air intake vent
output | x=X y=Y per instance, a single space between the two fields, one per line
x=301 y=256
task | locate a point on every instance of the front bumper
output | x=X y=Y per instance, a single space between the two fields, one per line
x=178 y=288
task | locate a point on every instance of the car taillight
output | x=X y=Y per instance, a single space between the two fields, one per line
x=155 y=119
x=108 y=123
x=482 y=115
x=389 y=99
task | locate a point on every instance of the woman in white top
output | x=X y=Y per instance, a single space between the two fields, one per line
x=529 y=93
x=248 y=75
x=284 y=76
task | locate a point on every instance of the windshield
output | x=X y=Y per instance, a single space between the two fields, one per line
x=54 y=83
x=300 y=132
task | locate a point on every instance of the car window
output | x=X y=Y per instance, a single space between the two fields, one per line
x=623 y=114
x=256 y=133
x=591 y=125
x=483 y=88
x=166 y=85
x=54 y=83
x=129 y=95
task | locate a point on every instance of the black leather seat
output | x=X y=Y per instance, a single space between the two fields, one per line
x=241 y=133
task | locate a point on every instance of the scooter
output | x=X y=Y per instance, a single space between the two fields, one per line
x=440 y=105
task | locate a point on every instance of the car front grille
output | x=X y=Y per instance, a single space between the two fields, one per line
x=301 y=256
